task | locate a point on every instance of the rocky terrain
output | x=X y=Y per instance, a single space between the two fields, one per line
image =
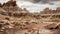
x=15 y=20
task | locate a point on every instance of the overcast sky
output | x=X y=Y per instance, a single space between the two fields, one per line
x=37 y=5
x=39 y=1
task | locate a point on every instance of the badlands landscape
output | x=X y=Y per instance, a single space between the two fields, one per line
x=15 y=20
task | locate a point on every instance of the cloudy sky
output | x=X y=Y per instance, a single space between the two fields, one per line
x=36 y=5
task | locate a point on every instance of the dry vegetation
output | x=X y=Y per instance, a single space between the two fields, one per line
x=14 y=20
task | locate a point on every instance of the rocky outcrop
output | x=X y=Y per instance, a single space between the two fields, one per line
x=10 y=8
x=50 y=11
x=10 y=3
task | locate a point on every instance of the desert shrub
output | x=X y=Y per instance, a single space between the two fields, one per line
x=15 y=15
x=9 y=13
x=54 y=20
x=7 y=18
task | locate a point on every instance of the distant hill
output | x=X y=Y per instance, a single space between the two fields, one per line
x=50 y=11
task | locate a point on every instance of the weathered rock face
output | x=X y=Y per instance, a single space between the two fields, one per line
x=10 y=3
x=11 y=6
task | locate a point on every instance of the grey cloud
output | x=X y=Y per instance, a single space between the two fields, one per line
x=34 y=1
x=41 y=1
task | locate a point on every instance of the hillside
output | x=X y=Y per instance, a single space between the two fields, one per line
x=15 y=20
